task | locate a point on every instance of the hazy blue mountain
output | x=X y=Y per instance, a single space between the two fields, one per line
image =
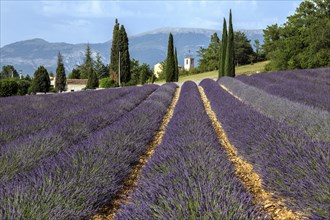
x=149 y=47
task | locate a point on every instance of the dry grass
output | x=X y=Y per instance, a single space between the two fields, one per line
x=275 y=208
x=241 y=70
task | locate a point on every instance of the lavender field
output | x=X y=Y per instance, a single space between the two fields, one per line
x=250 y=147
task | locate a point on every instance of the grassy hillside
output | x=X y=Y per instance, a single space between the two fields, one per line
x=241 y=70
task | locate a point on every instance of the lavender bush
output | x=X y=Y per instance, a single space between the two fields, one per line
x=295 y=85
x=65 y=107
x=25 y=153
x=189 y=175
x=76 y=182
x=313 y=121
x=290 y=164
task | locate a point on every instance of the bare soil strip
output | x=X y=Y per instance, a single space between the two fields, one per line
x=131 y=182
x=273 y=207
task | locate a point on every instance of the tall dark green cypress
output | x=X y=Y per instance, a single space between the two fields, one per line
x=170 y=61
x=176 y=79
x=114 y=53
x=92 y=81
x=60 y=79
x=125 y=70
x=223 y=49
x=230 y=53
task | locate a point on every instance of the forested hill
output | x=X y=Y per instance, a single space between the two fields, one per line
x=149 y=47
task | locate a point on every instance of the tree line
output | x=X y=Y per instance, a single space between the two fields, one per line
x=303 y=41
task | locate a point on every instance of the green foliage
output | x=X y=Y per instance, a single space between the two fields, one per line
x=75 y=74
x=99 y=68
x=114 y=53
x=92 y=82
x=87 y=66
x=23 y=86
x=41 y=81
x=107 y=83
x=141 y=74
x=230 y=52
x=60 y=79
x=209 y=57
x=8 y=87
x=170 y=61
x=223 y=49
x=176 y=77
x=243 y=49
x=259 y=53
x=303 y=41
x=28 y=78
x=125 y=70
x=145 y=73
x=8 y=71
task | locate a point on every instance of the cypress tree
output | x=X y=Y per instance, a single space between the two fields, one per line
x=170 y=61
x=125 y=70
x=230 y=53
x=176 y=66
x=92 y=81
x=114 y=52
x=223 y=49
x=60 y=79
x=41 y=81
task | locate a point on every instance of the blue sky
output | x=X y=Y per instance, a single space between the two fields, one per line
x=92 y=21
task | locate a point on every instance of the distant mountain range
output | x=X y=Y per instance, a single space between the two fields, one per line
x=149 y=47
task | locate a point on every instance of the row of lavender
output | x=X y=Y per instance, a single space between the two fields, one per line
x=78 y=180
x=291 y=164
x=309 y=87
x=189 y=175
x=27 y=152
x=313 y=121
x=17 y=108
x=19 y=123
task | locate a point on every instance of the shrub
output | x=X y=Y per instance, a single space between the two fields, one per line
x=8 y=87
x=107 y=83
x=23 y=87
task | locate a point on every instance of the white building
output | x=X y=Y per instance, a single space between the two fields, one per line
x=188 y=62
x=75 y=84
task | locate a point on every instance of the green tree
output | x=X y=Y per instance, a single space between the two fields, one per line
x=145 y=73
x=209 y=57
x=243 y=49
x=92 y=82
x=28 y=78
x=23 y=86
x=125 y=70
x=170 y=61
x=176 y=78
x=135 y=71
x=303 y=41
x=259 y=53
x=230 y=52
x=107 y=83
x=60 y=79
x=8 y=87
x=87 y=65
x=114 y=53
x=100 y=69
x=223 y=49
x=8 y=71
x=75 y=74
x=41 y=81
